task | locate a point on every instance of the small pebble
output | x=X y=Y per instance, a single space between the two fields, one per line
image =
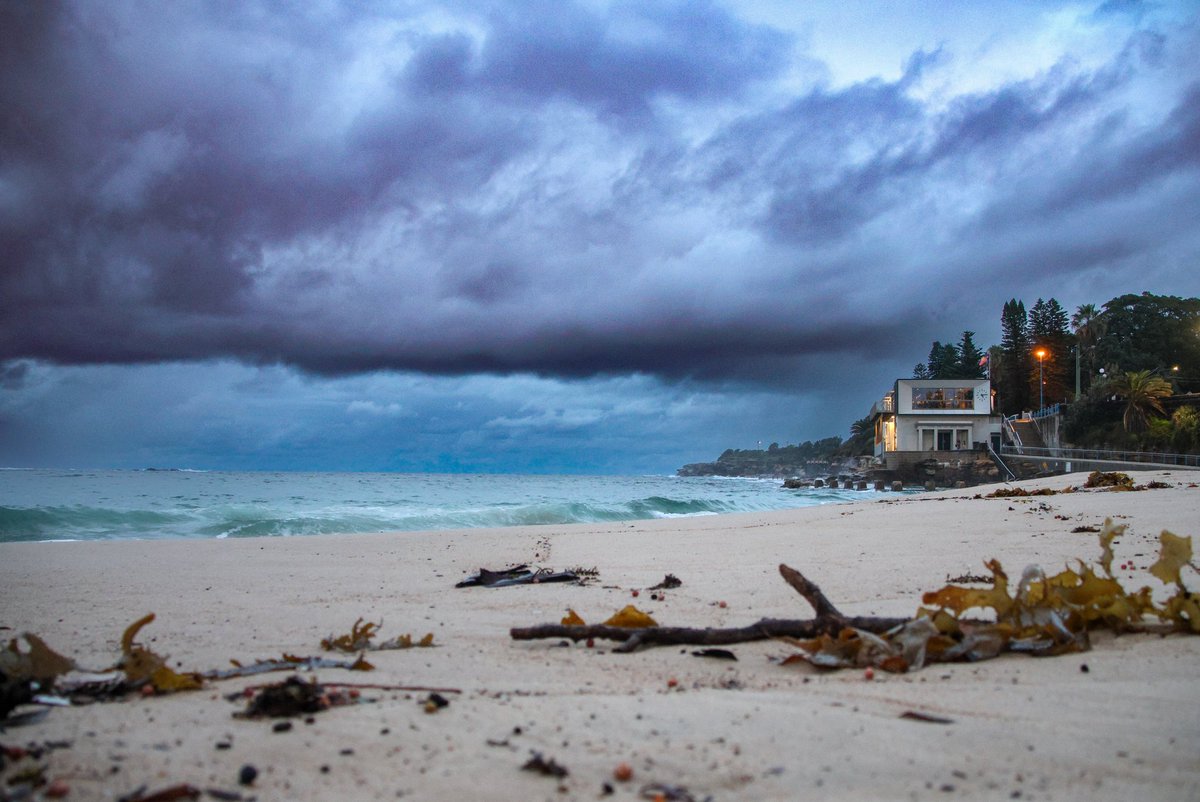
x=623 y=772
x=281 y=726
x=57 y=789
x=247 y=775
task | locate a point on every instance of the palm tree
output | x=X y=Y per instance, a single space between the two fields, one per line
x=1089 y=325
x=1142 y=391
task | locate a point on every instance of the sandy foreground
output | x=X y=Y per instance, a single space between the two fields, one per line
x=1126 y=727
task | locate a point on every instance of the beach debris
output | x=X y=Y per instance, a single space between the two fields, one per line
x=623 y=772
x=142 y=666
x=435 y=702
x=1114 y=479
x=669 y=581
x=719 y=654
x=222 y=795
x=630 y=617
x=928 y=718
x=41 y=663
x=169 y=794
x=969 y=578
x=56 y=789
x=547 y=767
x=1020 y=492
x=25 y=674
x=359 y=640
x=660 y=792
x=287 y=662
x=572 y=619
x=291 y=697
x=520 y=575
x=1045 y=615
x=247 y=774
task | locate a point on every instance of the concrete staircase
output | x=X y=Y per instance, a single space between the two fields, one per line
x=1028 y=434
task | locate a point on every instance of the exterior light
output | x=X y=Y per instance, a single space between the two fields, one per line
x=1041 y=355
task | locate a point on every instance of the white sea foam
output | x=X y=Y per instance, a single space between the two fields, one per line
x=91 y=505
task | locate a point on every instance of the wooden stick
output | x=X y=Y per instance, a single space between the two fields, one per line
x=827 y=621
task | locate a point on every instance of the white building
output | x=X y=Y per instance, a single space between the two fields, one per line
x=935 y=418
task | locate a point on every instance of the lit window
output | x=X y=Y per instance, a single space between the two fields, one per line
x=943 y=398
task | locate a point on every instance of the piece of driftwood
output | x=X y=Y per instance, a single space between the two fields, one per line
x=828 y=621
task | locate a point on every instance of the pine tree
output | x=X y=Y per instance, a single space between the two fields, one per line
x=1012 y=372
x=1049 y=337
x=969 y=358
x=943 y=361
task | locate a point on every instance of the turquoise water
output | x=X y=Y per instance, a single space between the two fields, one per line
x=101 y=505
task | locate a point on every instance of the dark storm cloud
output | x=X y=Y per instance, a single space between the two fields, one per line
x=561 y=189
x=619 y=62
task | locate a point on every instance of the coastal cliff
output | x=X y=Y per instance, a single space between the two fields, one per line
x=806 y=459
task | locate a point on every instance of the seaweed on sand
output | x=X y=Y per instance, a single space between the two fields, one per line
x=1044 y=615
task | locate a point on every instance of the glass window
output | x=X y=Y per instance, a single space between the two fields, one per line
x=943 y=398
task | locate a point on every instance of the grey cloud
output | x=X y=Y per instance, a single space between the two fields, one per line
x=513 y=195
x=620 y=61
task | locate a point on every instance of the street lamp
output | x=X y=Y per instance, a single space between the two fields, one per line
x=1041 y=355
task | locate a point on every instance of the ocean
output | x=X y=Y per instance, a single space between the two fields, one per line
x=51 y=505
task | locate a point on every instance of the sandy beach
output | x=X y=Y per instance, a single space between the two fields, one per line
x=1119 y=722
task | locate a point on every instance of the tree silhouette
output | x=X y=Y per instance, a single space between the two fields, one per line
x=1143 y=393
x=1089 y=324
x=1013 y=371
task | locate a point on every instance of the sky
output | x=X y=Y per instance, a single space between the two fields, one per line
x=573 y=236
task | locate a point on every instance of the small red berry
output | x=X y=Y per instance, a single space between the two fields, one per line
x=869 y=674
x=672 y=682
x=623 y=772
x=721 y=604
x=634 y=593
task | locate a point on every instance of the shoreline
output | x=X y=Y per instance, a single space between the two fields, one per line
x=745 y=729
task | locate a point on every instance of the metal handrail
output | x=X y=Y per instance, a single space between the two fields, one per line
x=1006 y=425
x=996 y=459
x=1046 y=412
x=1111 y=455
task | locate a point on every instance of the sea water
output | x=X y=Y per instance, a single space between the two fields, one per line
x=99 y=505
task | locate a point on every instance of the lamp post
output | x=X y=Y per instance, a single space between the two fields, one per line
x=1041 y=355
x=1076 y=371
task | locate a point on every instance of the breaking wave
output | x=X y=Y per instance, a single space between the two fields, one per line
x=112 y=505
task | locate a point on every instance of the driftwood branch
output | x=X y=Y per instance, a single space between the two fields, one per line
x=829 y=620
